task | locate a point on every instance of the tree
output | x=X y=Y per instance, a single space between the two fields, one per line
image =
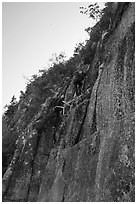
x=94 y=11
x=11 y=108
x=57 y=59
x=78 y=48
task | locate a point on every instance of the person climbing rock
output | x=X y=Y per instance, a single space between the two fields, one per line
x=79 y=81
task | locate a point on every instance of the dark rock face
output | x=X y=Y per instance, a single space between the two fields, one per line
x=87 y=154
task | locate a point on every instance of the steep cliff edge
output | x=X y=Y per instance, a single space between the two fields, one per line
x=87 y=154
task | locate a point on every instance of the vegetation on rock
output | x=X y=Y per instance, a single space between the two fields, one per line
x=85 y=150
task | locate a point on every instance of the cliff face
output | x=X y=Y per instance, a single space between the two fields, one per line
x=88 y=153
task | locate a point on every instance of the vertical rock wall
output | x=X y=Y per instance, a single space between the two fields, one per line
x=92 y=158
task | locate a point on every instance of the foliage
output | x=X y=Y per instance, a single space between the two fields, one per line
x=78 y=49
x=105 y=18
x=57 y=59
x=11 y=108
x=93 y=10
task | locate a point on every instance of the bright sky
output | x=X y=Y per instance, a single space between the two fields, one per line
x=31 y=33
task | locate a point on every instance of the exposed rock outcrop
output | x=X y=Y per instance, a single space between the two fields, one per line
x=88 y=153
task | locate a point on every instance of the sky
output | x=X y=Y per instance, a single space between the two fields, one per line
x=31 y=33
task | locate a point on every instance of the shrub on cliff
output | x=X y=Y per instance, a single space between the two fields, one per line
x=11 y=108
x=107 y=19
